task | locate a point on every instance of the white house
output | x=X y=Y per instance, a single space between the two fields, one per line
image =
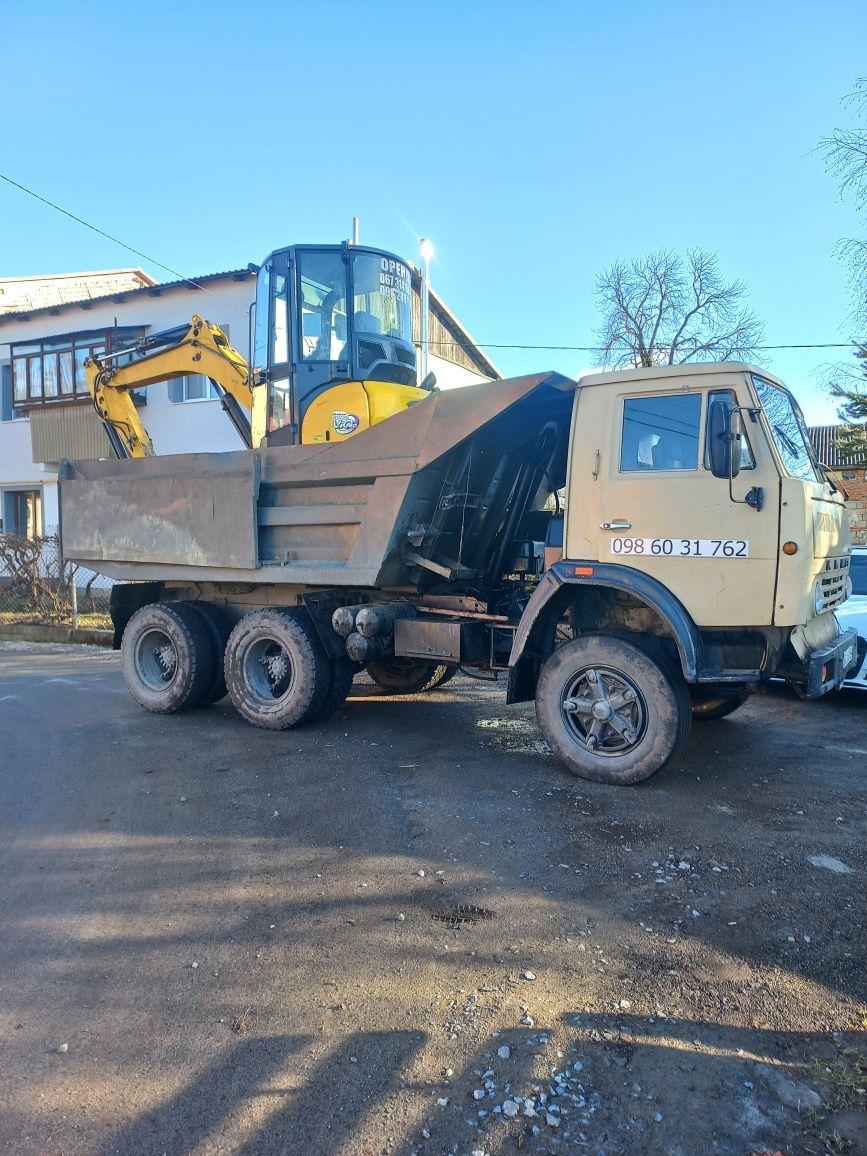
x=45 y=409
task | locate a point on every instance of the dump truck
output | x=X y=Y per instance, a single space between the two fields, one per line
x=631 y=550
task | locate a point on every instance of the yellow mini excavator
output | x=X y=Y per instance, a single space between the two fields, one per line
x=333 y=354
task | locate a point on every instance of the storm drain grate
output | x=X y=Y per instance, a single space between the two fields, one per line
x=457 y=914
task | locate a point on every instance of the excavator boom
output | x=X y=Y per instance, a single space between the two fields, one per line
x=200 y=348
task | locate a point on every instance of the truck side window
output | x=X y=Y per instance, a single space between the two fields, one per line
x=660 y=432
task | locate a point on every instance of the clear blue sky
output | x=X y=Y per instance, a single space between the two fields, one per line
x=533 y=143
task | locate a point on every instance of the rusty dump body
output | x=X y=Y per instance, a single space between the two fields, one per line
x=433 y=495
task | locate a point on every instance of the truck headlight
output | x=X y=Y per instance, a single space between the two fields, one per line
x=818 y=598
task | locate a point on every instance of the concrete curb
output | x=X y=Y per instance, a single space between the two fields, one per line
x=32 y=632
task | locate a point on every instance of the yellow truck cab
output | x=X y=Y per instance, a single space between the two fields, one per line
x=696 y=512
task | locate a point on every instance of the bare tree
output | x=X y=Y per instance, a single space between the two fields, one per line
x=661 y=309
x=845 y=153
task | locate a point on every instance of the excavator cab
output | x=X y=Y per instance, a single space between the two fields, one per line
x=333 y=354
x=333 y=343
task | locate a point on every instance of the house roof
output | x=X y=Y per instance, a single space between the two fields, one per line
x=823 y=438
x=46 y=291
x=151 y=288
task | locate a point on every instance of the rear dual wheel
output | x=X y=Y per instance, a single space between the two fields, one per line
x=168 y=657
x=181 y=655
x=278 y=673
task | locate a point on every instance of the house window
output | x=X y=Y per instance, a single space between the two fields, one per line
x=194 y=387
x=22 y=513
x=8 y=411
x=52 y=369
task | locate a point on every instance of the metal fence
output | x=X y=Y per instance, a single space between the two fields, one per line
x=37 y=586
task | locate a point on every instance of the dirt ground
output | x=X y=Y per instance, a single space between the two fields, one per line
x=408 y=930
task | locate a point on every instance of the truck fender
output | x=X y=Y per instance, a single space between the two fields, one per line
x=556 y=585
x=127 y=597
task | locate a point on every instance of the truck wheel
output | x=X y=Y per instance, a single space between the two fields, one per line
x=343 y=672
x=219 y=628
x=405 y=675
x=441 y=676
x=612 y=710
x=277 y=673
x=167 y=657
x=708 y=709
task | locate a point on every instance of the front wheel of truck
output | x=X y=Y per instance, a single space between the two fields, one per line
x=612 y=710
x=277 y=671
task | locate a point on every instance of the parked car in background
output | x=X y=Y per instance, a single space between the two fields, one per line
x=853 y=612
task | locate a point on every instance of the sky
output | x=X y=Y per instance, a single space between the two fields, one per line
x=534 y=144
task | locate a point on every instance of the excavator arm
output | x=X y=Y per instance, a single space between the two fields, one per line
x=200 y=348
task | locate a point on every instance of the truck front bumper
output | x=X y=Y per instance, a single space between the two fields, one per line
x=827 y=668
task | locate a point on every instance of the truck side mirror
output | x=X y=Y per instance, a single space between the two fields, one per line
x=724 y=438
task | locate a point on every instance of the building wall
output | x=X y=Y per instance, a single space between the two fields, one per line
x=854 y=483
x=849 y=471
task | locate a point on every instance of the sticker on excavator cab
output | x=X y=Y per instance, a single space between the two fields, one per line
x=344 y=423
x=682 y=547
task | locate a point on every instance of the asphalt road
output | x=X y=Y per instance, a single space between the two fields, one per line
x=218 y=939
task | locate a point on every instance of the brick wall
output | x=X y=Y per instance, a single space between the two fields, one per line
x=856 y=488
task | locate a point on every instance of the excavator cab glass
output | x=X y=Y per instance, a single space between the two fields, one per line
x=327 y=315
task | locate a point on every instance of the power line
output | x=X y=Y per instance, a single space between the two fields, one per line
x=478 y=344
x=122 y=244
x=595 y=348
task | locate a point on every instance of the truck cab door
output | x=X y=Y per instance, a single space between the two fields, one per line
x=659 y=508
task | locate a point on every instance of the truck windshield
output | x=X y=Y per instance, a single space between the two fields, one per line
x=382 y=296
x=788 y=430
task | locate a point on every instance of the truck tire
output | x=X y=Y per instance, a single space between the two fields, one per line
x=441 y=676
x=709 y=709
x=219 y=628
x=406 y=675
x=634 y=711
x=167 y=657
x=343 y=672
x=277 y=672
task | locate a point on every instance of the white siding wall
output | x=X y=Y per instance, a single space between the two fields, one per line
x=451 y=376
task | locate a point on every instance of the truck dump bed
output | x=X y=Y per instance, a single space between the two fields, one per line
x=423 y=496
